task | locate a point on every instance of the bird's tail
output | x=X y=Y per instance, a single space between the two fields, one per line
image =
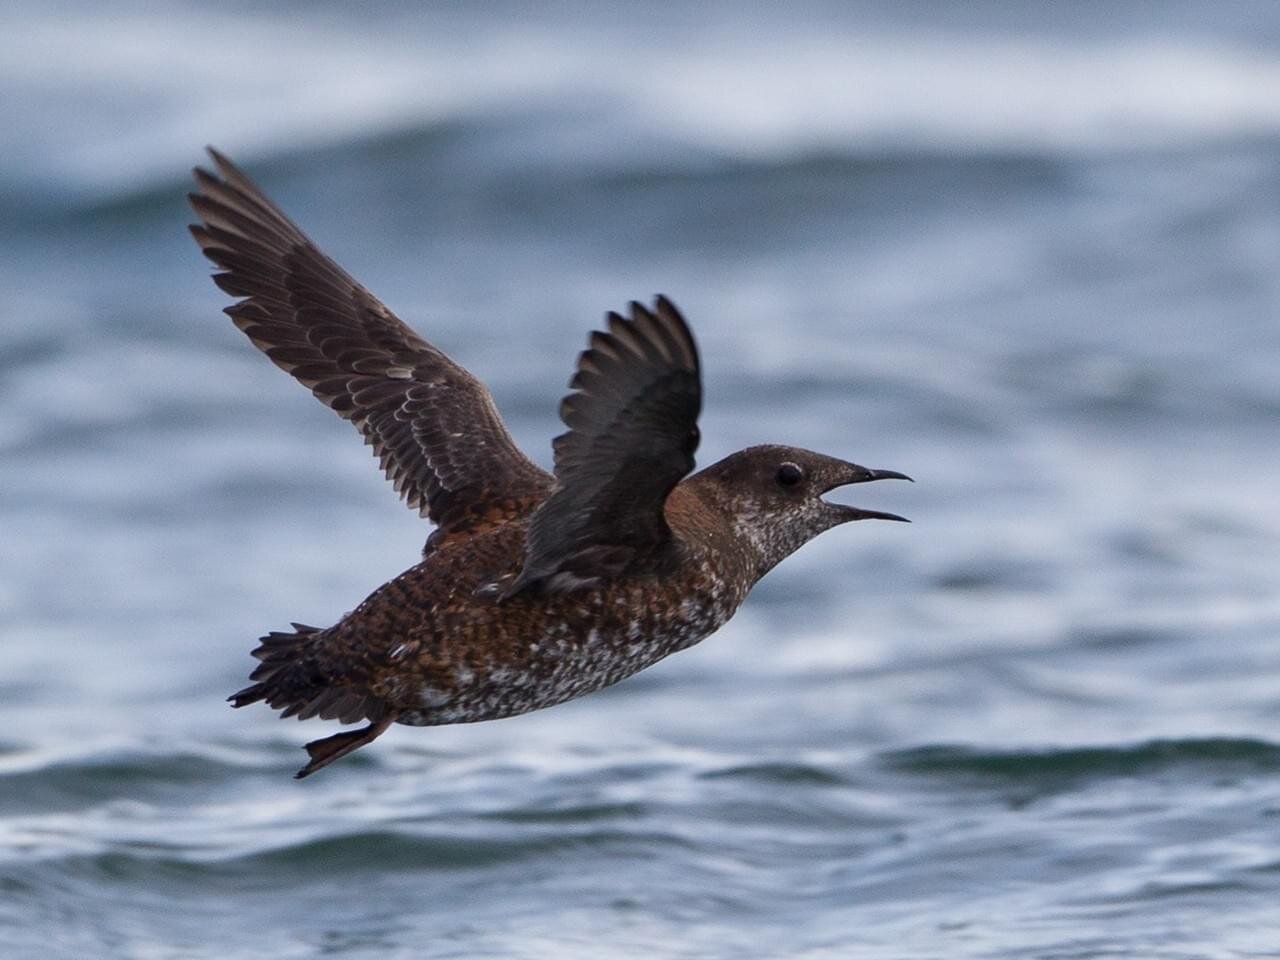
x=293 y=679
x=288 y=678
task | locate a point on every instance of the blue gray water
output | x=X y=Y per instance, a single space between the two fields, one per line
x=1028 y=256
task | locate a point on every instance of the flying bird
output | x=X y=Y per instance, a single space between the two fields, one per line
x=534 y=587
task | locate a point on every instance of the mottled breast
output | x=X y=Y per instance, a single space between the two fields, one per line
x=447 y=655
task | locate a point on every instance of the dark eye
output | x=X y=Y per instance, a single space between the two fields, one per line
x=789 y=474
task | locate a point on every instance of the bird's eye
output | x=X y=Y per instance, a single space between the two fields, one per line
x=789 y=474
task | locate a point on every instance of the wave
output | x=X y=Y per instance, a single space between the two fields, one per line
x=64 y=780
x=1210 y=756
x=430 y=151
x=374 y=850
x=133 y=103
x=391 y=850
x=787 y=774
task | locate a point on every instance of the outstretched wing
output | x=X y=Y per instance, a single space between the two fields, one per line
x=632 y=419
x=432 y=425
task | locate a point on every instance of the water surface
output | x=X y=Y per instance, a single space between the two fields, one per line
x=1029 y=258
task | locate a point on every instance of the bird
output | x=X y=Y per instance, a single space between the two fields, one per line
x=534 y=587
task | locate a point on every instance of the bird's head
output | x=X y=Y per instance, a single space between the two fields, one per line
x=772 y=497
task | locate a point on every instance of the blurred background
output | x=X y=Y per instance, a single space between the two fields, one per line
x=1026 y=253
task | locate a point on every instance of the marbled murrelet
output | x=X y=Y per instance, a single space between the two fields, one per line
x=533 y=588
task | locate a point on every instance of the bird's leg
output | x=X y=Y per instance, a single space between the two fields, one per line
x=324 y=752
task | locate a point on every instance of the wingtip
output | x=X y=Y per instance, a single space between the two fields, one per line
x=206 y=180
x=226 y=168
x=682 y=334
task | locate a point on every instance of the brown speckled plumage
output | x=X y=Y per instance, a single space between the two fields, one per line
x=532 y=589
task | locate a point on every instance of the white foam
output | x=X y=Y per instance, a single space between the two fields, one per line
x=972 y=94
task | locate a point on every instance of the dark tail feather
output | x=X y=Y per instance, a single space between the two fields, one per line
x=301 y=678
x=324 y=752
x=282 y=675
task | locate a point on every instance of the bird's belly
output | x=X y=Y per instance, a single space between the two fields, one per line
x=611 y=639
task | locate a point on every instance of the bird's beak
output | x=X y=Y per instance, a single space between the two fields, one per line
x=852 y=473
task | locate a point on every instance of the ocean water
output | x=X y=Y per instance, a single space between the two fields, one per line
x=1026 y=253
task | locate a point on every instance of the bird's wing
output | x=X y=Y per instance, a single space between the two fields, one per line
x=432 y=425
x=632 y=418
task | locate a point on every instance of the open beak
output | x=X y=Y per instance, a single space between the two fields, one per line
x=852 y=473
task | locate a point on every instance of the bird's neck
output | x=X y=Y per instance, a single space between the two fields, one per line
x=705 y=527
